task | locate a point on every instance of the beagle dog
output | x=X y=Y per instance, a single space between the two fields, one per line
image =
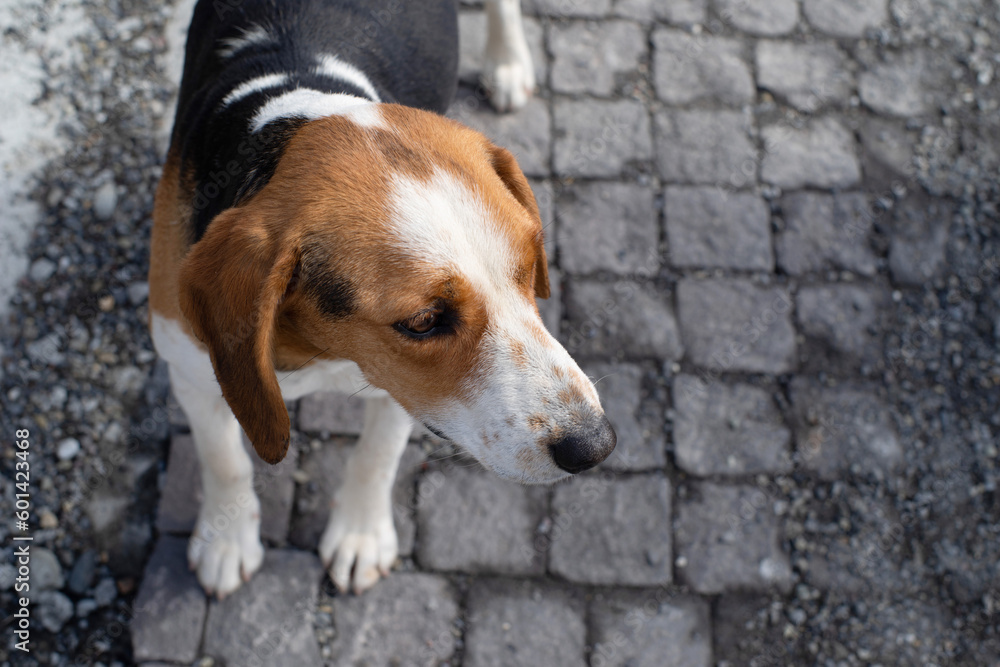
x=320 y=226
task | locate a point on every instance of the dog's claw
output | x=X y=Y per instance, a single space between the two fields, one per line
x=225 y=559
x=359 y=545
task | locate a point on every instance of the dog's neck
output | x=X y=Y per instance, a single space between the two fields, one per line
x=238 y=128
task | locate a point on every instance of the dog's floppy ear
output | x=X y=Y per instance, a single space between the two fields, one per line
x=512 y=176
x=231 y=284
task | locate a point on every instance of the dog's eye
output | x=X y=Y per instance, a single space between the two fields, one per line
x=421 y=325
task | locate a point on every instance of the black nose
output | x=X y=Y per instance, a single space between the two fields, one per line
x=584 y=447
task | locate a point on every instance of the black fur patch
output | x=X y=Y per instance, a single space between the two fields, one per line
x=334 y=294
x=265 y=161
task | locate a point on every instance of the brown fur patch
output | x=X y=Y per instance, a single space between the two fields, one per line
x=169 y=243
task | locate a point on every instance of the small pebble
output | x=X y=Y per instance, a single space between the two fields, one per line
x=46 y=572
x=8 y=573
x=138 y=293
x=85 y=607
x=105 y=200
x=106 y=592
x=52 y=610
x=47 y=520
x=82 y=574
x=41 y=270
x=68 y=449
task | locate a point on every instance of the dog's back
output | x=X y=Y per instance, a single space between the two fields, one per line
x=241 y=55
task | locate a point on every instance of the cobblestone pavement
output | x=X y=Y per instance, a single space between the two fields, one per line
x=773 y=236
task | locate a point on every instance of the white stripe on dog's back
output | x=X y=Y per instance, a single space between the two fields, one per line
x=254 y=36
x=253 y=86
x=335 y=68
x=312 y=104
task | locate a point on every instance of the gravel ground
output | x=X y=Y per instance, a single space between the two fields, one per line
x=900 y=567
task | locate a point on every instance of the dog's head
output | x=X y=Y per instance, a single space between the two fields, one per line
x=411 y=245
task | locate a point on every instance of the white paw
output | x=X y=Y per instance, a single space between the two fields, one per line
x=225 y=549
x=510 y=82
x=359 y=544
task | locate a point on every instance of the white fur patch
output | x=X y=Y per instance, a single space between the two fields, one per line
x=443 y=220
x=335 y=68
x=254 y=36
x=252 y=86
x=312 y=104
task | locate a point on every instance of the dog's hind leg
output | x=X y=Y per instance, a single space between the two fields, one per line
x=359 y=543
x=508 y=74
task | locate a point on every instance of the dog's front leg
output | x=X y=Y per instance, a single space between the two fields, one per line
x=225 y=547
x=359 y=543
x=508 y=74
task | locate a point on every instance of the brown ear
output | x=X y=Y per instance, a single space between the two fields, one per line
x=506 y=167
x=230 y=286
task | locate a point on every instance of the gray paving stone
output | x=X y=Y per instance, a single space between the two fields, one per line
x=843 y=428
x=722 y=429
x=268 y=620
x=919 y=240
x=681 y=12
x=844 y=319
x=846 y=18
x=325 y=470
x=706 y=147
x=599 y=138
x=170 y=606
x=826 y=232
x=175 y=414
x=728 y=538
x=807 y=76
x=331 y=413
x=181 y=496
x=522 y=623
x=472 y=35
x=636 y=417
x=607 y=227
x=405 y=620
x=775 y=17
x=687 y=68
x=901 y=86
x=598 y=537
x=586 y=56
x=733 y=325
x=635 y=320
x=822 y=154
x=526 y=133
x=472 y=521
x=650 y=629
x=573 y=8
x=711 y=227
